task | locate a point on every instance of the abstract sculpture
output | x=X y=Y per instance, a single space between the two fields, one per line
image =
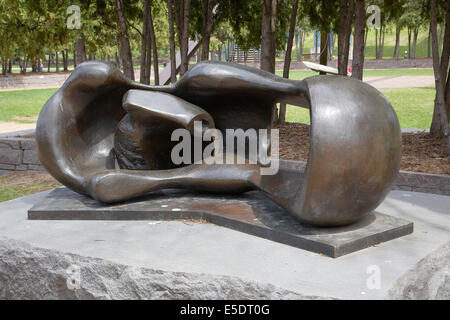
x=108 y=137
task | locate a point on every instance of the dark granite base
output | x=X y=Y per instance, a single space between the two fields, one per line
x=251 y=213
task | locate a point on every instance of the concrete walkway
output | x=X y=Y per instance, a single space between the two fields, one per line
x=198 y=249
x=399 y=82
x=55 y=80
x=10 y=126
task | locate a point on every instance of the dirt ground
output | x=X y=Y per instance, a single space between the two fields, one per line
x=420 y=153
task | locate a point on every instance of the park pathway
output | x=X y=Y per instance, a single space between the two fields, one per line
x=55 y=80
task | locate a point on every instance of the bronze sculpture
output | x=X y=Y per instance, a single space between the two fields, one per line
x=98 y=116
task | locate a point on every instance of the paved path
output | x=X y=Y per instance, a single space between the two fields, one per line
x=397 y=82
x=15 y=126
x=55 y=80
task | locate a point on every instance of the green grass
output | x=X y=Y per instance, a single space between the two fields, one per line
x=23 y=103
x=12 y=192
x=389 y=44
x=414 y=106
x=21 y=184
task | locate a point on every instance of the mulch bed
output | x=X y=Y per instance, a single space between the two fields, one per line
x=420 y=153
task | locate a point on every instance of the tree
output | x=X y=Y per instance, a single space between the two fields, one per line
x=440 y=123
x=269 y=16
x=173 y=67
x=346 y=9
x=322 y=15
x=288 y=54
x=358 y=44
x=145 y=45
x=207 y=17
x=125 y=50
x=182 y=18
x=413 y=18
x=154 y=46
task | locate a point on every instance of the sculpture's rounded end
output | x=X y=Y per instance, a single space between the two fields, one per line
x=355 y=151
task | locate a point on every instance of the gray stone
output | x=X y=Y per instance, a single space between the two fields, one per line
x=30 y=157
x=251 y=213
x=428 y=279
x=28 y=144
x=7 y=166
x=10 y=156
x=204 y=249
x=33 y=167
x=9 y=143
x=28 y=272
x=21 y=167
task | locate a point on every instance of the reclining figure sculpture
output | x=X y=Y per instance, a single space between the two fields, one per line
x=108 y=137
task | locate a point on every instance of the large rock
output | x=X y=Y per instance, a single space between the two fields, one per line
x=28 y=272
x=429 y=279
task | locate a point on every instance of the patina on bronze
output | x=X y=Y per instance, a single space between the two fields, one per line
x=354 y=149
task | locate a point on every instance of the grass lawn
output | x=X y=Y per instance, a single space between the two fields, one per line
x=23 y=103
x=389 y=44
x=414 y=106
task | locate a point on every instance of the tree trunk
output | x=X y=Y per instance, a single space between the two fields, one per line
x=409 y=42
x=127 y=59
x=173 y=67
x=25 y=64
x=429 y=43
x=302 y=44
x=207 y=13
x=143 y=62
x=287 y=57
x=382 y=34
x=154 y=47
x=376 y=43
x=415 y=34
x=397 y=41
x=345 y=29
x=148 y=56
x=57 y=61
x=4 y=68
x=220 y=52
x=379 y=38
x=323 y=60
x=10 y=65
x=66 y=59
x=359 y=40
x=49 y=62
x=440 y=82
x=184 y=44
x=269 y=15
x=81 y=50
x=268 y=21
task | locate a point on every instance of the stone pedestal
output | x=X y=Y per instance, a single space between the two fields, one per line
x=251 y=213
